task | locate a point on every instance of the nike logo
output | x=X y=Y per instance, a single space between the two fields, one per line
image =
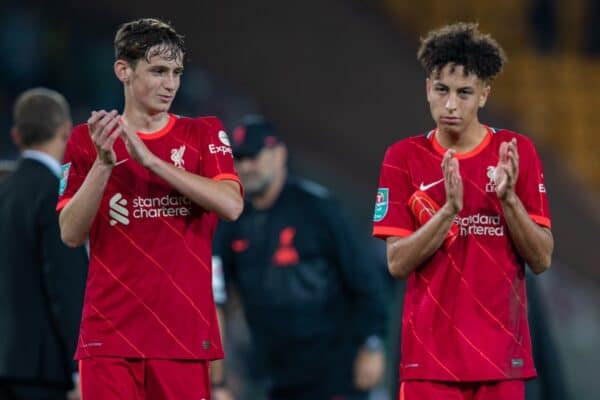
x=424 y=187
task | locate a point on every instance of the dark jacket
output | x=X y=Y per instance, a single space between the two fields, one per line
x=41 y=281
x=310 y=292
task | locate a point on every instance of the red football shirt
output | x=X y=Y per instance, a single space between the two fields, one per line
x=148 y=292
x=465 y=310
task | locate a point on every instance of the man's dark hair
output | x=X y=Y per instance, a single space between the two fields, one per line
x=461 y=44
x=38 y=113
x=145 y=38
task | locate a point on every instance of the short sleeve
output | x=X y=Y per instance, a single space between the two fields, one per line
x=217 y=156
x=392 y=216
x=78 y=159
x=530 y=185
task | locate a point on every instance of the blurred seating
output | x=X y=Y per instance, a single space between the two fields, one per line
x=551 y=96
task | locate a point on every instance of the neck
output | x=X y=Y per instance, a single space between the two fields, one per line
x=52 y=148
x=143 y=122
x=268 y=198
x=463 y=141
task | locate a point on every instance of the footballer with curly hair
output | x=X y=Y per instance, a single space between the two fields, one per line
x=463 y=209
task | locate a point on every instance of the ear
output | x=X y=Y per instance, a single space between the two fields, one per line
x=484 y=94
x=65 y=131
x=122 y=70
x=281 y=154
x=16 y=137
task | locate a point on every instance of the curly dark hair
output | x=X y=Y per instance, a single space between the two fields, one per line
x=462 y=44
x=145 y=38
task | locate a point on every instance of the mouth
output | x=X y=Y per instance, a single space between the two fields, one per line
x=165 y=98
x=450 y=120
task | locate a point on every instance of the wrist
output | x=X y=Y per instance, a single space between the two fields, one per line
x=103 y=165
x=448 y=211
x=510 y=199
x=221 y=384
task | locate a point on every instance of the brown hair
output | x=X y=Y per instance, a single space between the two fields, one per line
x=145 y=38
x=462 y=44
x=38 y=113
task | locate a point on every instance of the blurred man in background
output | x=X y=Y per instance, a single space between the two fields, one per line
x=41 y=280
x=312 y=299
x=461 y=232
x=6 y=168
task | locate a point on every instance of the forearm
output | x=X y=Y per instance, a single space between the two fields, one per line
x=408 y=253
x=222 y=197
x=77 y=216
x=533 y=242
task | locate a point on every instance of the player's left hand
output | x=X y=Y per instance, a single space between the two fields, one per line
x=221 y=394
x=75 y=393
x=369 y=367
x=135 y=146
x=507 y=169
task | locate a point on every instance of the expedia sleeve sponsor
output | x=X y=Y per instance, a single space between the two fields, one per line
x=530 y=184
x=216 y=149
x=217 y=153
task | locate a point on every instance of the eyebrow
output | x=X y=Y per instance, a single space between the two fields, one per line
x=462 y=88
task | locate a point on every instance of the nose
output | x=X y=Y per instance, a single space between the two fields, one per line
x=170 y=81
x=451 y=102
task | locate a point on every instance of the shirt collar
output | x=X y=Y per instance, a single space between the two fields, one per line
x=49 y=161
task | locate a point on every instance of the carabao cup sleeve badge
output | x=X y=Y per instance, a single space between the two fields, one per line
x=381 y=204
x=64 y=177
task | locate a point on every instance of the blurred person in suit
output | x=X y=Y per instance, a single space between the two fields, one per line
x=42 y=281
x=6 y=168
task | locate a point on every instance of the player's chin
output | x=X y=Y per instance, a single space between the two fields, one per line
x=451 y=127
x=161 y=107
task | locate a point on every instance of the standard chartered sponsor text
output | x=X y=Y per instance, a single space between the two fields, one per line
x=160 y=207
x=480 y=225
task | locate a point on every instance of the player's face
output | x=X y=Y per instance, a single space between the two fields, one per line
x=455 y=98
x=258 y=173
x=153 y=84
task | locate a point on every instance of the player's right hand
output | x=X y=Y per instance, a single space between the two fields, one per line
x=221 y=394
x=105 y=129
x=452 y=182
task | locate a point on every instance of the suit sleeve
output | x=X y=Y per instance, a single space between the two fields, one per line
x=530 y=185
x=361 y=272
x=392 y=216
x=64 y=276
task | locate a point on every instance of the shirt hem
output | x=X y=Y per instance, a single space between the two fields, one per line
x=383 y=232
x=523 y=375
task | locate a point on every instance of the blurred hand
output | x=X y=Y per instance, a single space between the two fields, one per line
x=221 y=394
x=369 y=367
x=507 y=169
x=75 y=393
x=105 y=129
